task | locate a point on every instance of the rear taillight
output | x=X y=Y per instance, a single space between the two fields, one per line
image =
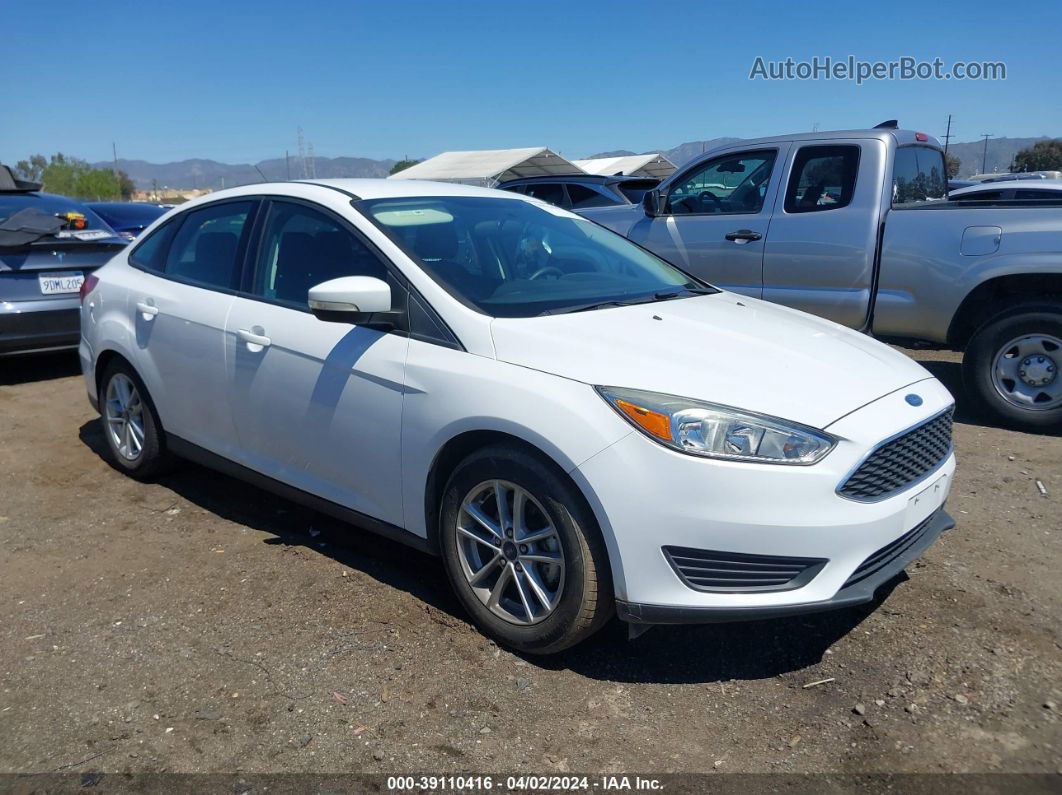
x=921 y=136
x=88 y=286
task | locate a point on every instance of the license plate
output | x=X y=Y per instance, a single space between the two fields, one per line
x=57 y=283
x=920 y=506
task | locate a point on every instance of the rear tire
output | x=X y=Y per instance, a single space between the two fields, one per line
x=1011 y=368
x=539 y=596
x=131 y=426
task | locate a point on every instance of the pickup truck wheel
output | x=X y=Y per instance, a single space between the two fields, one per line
x=1012 y=366
x=523 y=551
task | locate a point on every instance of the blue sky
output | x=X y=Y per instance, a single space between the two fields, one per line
x=231 y=80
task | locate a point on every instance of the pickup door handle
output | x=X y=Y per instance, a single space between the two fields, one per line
x=149 y=310
x=743 y=234
x=251 y=338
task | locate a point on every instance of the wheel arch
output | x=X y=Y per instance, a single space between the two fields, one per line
x=463 y=444
x=993 y=296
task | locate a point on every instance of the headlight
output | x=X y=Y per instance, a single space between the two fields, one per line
x=714 y=431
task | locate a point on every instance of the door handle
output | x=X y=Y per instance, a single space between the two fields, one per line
x=742 y=234
x=248 y=336
x=148 y=310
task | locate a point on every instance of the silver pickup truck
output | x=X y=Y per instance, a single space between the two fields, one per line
x=854 y=226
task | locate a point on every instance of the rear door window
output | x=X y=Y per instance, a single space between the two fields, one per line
x=583 y=196
x=822 y=178
x=918 y=175
x=208 y=248
x=552 y=192
x=150 y=253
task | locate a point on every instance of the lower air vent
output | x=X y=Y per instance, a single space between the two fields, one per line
x=709 y=570
x=888 y=553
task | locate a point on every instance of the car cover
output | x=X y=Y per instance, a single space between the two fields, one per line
x=28 y=225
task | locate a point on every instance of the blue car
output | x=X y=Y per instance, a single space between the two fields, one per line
x=128 y=219
x=49 y=246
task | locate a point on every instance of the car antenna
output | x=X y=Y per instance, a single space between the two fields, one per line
x=263 y=176
x=891 y=124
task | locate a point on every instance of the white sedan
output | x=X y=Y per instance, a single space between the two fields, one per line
x=573 y=425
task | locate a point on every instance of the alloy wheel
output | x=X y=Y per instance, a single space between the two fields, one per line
x=510 y=552
x=124 y=417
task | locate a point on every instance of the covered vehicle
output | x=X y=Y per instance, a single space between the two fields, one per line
x=48 y=245
x=128 y=219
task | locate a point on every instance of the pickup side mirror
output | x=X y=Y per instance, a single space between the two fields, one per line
x=351 y=299
x=653 y=202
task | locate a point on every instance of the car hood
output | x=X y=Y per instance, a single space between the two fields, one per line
x=724 y=348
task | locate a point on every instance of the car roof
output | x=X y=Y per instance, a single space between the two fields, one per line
x=365 y=188
x=1007 y=184
x=902 y=137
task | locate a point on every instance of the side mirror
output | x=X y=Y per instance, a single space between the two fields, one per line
x=653 y=202
x=350 y=299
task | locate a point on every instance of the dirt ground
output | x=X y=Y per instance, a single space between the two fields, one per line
x=199 y=624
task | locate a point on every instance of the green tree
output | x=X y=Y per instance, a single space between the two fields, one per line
x=126 y=186
x=953 y=164
x=1041 y=156
x=71 y=176
x=402 y=165
x=33 y=168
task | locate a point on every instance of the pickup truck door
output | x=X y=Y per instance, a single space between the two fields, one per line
x=716 y=216
x=820 y=253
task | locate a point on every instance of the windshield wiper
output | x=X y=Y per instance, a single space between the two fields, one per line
x=645 y=299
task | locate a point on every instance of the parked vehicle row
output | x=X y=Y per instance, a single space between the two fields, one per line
x=575 y=426
x=583 y=191
x=48 y=245
x=853 y=226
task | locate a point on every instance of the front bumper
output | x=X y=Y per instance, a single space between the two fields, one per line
x=648 y=497
x=856 y=594
x=31 y=326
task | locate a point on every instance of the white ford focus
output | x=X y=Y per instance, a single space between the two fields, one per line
x=572 y=424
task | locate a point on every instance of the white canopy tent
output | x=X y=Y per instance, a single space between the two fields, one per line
x=651 y=165
x=488 y=167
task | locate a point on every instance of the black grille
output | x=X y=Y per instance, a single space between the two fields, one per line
x=901 y=461
x=707 y=570
x=888 y=553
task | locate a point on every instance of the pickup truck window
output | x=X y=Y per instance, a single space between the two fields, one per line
x=729 y=184
x=918 y=176
x=822 y=178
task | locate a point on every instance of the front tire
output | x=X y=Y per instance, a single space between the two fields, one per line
x=523 y=552
x=131 y=426
x=1012 y=364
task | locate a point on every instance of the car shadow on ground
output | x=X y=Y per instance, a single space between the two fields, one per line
x=682 y=654
x=16 y=370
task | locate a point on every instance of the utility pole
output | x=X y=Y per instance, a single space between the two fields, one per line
x=302 y=155
x=947 y=135
x=984 y=155
x=117 y=179
x=287 y=164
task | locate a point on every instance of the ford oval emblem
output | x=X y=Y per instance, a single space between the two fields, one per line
x=913 y=399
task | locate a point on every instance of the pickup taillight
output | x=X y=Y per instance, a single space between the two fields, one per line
x=88 y=286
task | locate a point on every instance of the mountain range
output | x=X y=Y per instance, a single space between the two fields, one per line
x=199 y=173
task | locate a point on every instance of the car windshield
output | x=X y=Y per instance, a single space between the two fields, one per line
x=515 y=258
